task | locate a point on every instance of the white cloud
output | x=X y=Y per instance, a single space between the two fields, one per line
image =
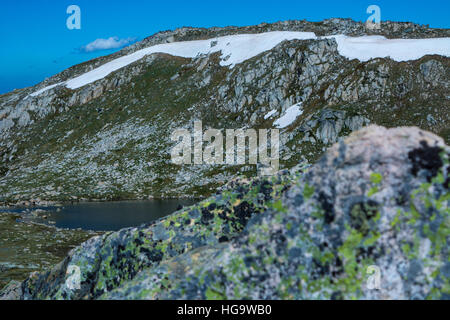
x=105 y=44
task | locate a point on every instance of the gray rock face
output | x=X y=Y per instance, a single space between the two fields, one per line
x=433 y=71
x=12 y=291
x=6 y=124
x=328 y=125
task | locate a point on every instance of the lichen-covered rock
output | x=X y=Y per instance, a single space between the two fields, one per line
x=12 y=291
x=376 y=202
x=106 y=262
x=370 y=220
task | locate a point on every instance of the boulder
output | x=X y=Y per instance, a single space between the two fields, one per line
x=369 y=221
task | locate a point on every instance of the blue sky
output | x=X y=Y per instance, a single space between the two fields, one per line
x=36 y=42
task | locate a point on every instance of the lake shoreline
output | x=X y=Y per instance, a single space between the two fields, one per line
x=33 y=243
x=35 y=203
x=99 y=215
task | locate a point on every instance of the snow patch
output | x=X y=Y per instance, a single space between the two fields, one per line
x=289 y=116
x=370 y=47
x=271 y=113
x=34 y=94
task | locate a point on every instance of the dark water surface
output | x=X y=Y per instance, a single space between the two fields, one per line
x=111 y=216
x=107 y=216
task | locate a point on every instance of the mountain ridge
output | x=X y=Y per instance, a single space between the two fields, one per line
x=110 y=139
x=390 y=29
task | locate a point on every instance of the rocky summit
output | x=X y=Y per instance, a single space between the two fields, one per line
x=376 y=204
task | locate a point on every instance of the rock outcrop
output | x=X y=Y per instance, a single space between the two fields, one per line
x=370 y=220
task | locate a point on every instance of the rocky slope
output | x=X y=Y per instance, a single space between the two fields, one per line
x=377 y=198
x=110 y=139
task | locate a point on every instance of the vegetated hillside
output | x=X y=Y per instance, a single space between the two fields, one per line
x=377 y=201
x=110 y=139
x=29 y=247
